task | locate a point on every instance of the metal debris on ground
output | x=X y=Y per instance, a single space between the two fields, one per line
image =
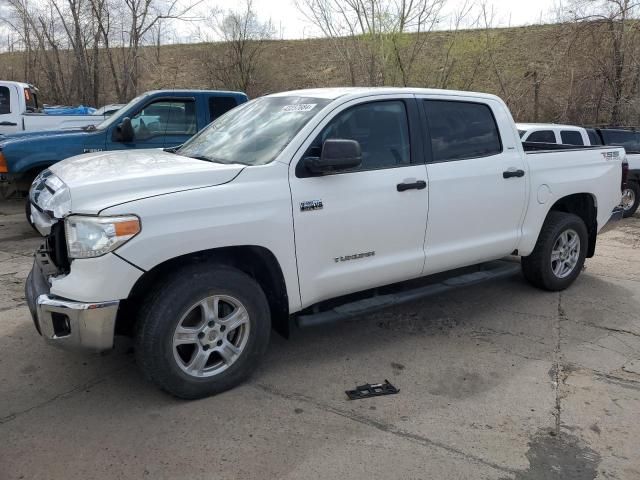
x=369 y=390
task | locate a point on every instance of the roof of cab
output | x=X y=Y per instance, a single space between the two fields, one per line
x=533 y=126
x=354 y=92
x=192 y=92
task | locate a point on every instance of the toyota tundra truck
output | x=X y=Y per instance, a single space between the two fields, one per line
x=306 y=206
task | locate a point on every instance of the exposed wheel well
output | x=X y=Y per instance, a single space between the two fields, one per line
x=634 y=176
x=257 y=262
x=583 y=205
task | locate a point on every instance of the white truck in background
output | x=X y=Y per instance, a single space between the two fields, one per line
x=20 y=111
x=579 y=136
x=312 y=206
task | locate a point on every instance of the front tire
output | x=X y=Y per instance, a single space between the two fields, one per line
x=27 y=212
x=559 y=254
x=203 y=331
x=630 y=198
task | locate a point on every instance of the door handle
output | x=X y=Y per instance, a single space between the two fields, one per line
x=419 y=185
x=513 y=173
x=8 y=124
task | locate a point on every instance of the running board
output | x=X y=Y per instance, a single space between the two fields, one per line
x=491 y=271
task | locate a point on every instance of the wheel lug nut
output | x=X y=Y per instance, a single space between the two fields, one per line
x=223 y=328
x=219 y=343
x=211 y=324
x=205 y=347
x=201 y=335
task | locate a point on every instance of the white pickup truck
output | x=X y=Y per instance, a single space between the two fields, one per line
x=20 y=111
x=302 y=206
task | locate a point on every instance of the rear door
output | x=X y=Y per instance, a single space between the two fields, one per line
x=477 y=182
x=364 y=227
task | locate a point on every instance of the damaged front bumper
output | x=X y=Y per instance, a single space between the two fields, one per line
x=66 y=323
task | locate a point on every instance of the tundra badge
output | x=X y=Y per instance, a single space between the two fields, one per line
x=311 y=205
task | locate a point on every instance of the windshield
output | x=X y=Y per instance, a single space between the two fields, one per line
x=253 y=133
x=114 y=118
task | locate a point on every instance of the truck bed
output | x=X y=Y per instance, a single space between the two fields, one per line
x=43 y=121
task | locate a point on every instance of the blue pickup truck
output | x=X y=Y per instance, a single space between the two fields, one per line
x=157 y=119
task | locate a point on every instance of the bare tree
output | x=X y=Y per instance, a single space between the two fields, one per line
x=612 y=30
x=244 y=36
x=70 y=40
x=372 y=36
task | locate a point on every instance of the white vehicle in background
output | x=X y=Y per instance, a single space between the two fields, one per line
x=108 y=110
x=554 y=133
x=20 y=112
x=628 y=138
x=285 y=206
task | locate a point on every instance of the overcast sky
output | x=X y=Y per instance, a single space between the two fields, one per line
x=287 y=19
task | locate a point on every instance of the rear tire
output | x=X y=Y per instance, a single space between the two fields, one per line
x=630 y=198
x=559 y=254
x=186 y=341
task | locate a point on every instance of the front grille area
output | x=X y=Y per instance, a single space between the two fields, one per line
x=55 y=246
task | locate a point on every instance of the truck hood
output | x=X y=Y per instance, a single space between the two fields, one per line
x=101 y=180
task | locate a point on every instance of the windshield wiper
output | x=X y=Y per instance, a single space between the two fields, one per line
x=208 y=159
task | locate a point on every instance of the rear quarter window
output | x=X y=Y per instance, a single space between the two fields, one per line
x=218 y=106
x=594 y=138
x=461 y=130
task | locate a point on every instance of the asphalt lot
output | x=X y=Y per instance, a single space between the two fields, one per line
x=498 y=381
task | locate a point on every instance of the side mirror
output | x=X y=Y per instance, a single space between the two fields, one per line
x=124 y=131
x=337 y=155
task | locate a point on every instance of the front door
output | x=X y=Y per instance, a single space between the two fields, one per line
x=161 y=123
x=362 y=228
x=9 y=114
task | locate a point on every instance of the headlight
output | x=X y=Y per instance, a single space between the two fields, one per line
x=51 y=194
x=89 y=237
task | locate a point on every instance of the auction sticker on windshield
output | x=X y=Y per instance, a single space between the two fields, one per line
x=300 y=107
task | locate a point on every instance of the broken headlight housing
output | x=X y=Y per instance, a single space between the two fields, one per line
x=50 y=194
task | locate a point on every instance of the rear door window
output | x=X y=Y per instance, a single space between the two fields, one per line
x=461 y=130
x=571 y=137
x=542 y=136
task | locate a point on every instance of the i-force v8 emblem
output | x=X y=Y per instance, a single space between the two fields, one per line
x=311 y=205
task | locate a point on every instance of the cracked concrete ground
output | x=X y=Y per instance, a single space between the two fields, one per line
x=497 y=381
